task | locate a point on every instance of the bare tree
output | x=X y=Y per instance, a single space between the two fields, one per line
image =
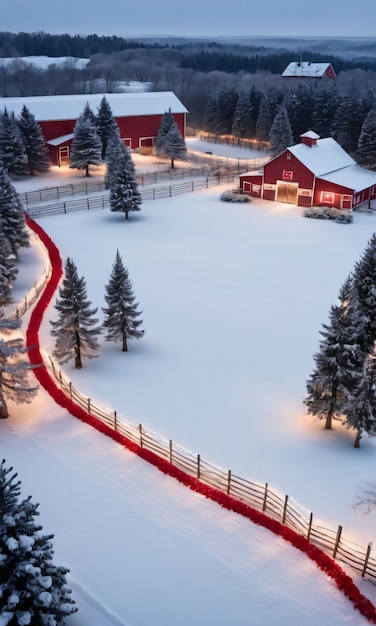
x=366 y=497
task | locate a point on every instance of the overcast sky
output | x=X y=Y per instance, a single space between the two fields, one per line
x=195 y=18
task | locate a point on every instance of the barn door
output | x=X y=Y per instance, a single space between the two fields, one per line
x=287 y=192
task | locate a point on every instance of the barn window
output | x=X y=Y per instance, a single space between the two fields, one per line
x=327 y=197
x=288 y=156
x=287 y=174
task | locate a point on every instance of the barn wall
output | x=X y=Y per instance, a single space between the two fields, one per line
x=287 y=167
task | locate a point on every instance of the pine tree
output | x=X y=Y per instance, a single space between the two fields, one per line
x=210 y=120
x=34 y=142
x=242 y=123
x=174 y=145
x=326 y=102
x=8 y=271
x=115 y=149
x=280 y=136
x=364 y=293
x=124 y=194
x=107 y=126
x=366 y=153
x=33 y=590
x=88 y=114
x=226 y=105
x=86 y=145
x=12 y=150
x=339 y=362
x=14 y=370
x=12 y=219
x=263 y=120
x=121 y=315
x=360 y=410
x=347 y=123
x=75 y=331
x=166 y=122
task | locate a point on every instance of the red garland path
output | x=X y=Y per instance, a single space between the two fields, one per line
x=322 y=560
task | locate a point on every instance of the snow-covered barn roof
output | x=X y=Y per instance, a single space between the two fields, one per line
x=68 y=107
x=57 y=141
x=353 y=177
x=325 y=157
x=307 y=69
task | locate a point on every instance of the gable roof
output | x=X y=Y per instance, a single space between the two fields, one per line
x=325 y=157
x=353 y=177
x=306 y=69
x=69 y=107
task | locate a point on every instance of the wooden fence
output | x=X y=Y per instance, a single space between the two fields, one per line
x=259 y=496
x=147 y=193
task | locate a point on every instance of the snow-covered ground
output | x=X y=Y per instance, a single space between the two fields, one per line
x=233 y=298
x=42 y=62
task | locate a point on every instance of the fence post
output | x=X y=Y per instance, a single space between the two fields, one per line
x=198 y=466
x=228 y=482
x=140 y=429
x=70 y=390
x=87 y=201
x=364 y=570
x=285 y=510
x=153 y=193
x=88 y=405
x=170 y=450
x=338 y=539
x=310 y=526
x=265 y=497
x=170 y=191
x=115 y=421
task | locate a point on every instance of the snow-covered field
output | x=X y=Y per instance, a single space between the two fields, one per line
x=233 y=298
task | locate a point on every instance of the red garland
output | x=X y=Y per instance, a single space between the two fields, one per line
x=322 y=560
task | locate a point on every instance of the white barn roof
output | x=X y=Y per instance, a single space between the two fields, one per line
x=325 y=157
x=353 y=177
x=306 y=69
x=68 y=107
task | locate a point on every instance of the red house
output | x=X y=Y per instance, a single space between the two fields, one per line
x=315 y=172
x=138 y=115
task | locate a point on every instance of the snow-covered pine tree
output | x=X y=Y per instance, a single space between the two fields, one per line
x=360 y=410
x=115 y=149
x=347 y=123
x=366 y=153
x=339 y=362
x=8 y=271
x=121 y=315
x=89 y=114
x=107 y=126
x=174 y=145
x=226 y=101
x=364 y=293
x=14 y=369
x=124 y=194
x=263 y=119
x=280 y=136
x=12 y=218
x=242 y=122
x=34 y=142
x=210 y=120
x=326 y=102
x=75 y=330
x=166 y=123
x=86 y=145
x=12 y=150
x=33 y=591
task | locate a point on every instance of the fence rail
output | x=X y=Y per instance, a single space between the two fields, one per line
x=147 y=193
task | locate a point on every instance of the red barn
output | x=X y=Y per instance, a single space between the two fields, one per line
x=315 y=172
x=138 y=115
x=307 y=69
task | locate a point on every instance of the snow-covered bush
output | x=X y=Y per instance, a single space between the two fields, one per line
x=342 y=216
x=234 y=196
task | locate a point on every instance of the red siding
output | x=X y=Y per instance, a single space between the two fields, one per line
x=287 y=167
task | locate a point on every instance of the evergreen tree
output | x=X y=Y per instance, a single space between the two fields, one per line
x=121 y=314
x=339 y=362
x=8 y=271
x=34 y=142
x=326 y=102
x=242 y=123
x=360 y=410
x=107 y=126
x=124 y=194
x=12 y=218
x=280 y=136
x=75 y=331
x=263 y=120
x=86 y=145
x=89 y=114
x=300 y=115
x=33 y=590
x=211 y=113
x=226 y=105
x=347 y=124
x=364 y=293
x=174 y=145
x=113 y=155
x=366 y=153
x=14 y=370
x=12 y=149
x=166 y=122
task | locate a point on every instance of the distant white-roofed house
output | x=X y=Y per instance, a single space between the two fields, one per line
x=314 y=172
x=138 y=116
x=308 y=69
